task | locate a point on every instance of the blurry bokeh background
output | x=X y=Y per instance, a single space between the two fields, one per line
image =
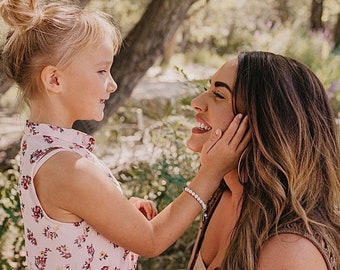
x=143 y=136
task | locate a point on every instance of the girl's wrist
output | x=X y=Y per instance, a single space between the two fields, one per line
x=205 y=184
x=197 y=197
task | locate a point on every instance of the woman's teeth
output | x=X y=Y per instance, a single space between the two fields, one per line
x=203 y=126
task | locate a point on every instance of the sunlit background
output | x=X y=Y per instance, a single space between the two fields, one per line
x=144 y=140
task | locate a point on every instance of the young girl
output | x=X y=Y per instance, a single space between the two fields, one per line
x=75 y=215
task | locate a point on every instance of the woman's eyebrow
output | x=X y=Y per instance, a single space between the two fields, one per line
x=222 y=84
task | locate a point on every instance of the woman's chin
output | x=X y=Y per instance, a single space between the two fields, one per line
x=194 y=146
x=196 y=141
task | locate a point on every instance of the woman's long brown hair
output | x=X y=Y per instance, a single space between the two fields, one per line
x=290 y=171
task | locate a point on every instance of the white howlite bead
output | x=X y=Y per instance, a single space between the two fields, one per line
x=196 y=197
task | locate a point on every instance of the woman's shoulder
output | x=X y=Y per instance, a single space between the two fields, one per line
x=290 y=251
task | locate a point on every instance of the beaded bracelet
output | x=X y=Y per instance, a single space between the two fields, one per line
x=198 y=199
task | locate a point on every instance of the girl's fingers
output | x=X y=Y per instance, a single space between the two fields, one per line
x=236 y=135
x=236 y=130
x=146 y=207
x=245 y=141
x=149 y=209
x=222 y=151
x=242 y=135
x=213 y=139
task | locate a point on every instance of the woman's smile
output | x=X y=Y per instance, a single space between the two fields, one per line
x=214 y=107
x=201 y=126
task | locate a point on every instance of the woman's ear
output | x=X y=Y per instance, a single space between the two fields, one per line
x=50 y=79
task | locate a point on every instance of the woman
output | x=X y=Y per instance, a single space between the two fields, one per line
x=280 y=208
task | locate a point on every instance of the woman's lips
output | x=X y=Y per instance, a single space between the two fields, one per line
x=201 y=126
x=197 y=130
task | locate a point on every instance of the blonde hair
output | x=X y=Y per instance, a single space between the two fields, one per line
x=291 y=170
x=49 y=34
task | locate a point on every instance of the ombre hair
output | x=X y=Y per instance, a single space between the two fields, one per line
x=290 y=171
x=49 y=34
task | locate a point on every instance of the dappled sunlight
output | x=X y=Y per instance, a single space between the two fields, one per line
x=144 y=141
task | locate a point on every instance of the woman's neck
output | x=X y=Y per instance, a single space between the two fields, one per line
x=231 y=179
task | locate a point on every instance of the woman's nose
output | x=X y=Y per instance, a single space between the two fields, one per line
x=199 y=104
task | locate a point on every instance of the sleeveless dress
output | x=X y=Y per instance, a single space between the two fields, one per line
x=55 y=245
x=196 y=262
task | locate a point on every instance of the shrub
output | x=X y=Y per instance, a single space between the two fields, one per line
x=12 y=254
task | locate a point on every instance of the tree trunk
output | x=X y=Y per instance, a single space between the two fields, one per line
x=316 y=15
x=337 y=34
x=283 y=10
x=143 y=45
x=5 y=83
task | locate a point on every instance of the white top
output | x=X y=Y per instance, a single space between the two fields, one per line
x=199 y=264
x=51 y=244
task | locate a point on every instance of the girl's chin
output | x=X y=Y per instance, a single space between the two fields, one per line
x=99 y=116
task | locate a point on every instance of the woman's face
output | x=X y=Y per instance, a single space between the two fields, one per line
x=214 y=107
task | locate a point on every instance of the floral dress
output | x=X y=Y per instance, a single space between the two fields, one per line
x=51 y=244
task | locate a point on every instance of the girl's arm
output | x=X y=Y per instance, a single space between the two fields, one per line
x=146 y=207
x=80 y=190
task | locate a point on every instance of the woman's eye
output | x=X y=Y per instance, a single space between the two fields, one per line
x=217 y=94
x=102 y=71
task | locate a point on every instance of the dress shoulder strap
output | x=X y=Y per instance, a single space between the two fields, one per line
x=211 y=206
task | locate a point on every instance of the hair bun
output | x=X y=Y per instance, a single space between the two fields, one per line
x=22 y=15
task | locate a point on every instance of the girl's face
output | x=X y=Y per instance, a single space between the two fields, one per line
x=214 y=107
x=87 y=82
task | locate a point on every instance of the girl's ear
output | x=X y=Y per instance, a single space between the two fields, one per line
x=50 y=79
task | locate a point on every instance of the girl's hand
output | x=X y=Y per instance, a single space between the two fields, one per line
x=221 y=153
x=146 y=207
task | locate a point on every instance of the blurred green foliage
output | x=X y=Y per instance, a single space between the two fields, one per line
x=167 y=165
x=11 y=226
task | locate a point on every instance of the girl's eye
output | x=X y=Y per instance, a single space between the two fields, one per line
x=217 y=94
x=102 y=71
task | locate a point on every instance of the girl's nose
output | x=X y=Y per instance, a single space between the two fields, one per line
x=199 y=104
x=112 y=86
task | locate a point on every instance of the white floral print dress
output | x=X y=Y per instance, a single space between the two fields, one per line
x=54 y=245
